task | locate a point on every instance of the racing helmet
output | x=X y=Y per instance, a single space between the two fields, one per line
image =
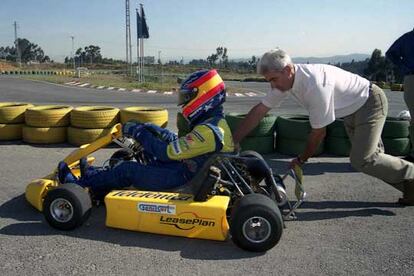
x=201 y=92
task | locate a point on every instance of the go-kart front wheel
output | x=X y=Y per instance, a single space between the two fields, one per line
x=67 y=206
x=256 y=223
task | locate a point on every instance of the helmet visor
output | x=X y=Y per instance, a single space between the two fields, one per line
x=185 y=95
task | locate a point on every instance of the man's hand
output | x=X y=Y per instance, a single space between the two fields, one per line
x=296 y=162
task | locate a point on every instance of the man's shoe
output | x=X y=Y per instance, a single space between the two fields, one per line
x=409 y=158
x=65 y=175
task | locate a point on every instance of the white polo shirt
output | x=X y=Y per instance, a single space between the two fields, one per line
x=326 y=91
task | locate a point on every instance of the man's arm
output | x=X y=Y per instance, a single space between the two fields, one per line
x=314 y=139
x=251 y=120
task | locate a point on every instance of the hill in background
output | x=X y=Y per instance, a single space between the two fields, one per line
x=333 y=59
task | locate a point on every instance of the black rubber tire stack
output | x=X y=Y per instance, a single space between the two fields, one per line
x=261 y=139
x=337 y=141
x=292 y=133
x=395 y=136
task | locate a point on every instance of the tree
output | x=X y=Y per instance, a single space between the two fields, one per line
x=93 y=53
x=379 y=68
x=253 y=62
x=199 y=62
x=220 y=56
x=28 y=51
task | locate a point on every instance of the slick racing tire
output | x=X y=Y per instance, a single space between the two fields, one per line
x=13 y=113
x=81 y=136
x=155 y=115
x=256 y=223
x=396 y=128
x=251 y=153
x=10 y=132
x=266 y=126
x=94 y=117
x=67 y=207
x=48 y=116
x=44 y=135
x=119 y=156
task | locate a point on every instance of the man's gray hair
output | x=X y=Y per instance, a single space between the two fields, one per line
x=273 y=60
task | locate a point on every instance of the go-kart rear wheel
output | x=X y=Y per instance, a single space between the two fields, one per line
x=256 y=223
x=67 y=206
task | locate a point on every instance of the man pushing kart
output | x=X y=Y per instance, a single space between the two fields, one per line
x=172 y=161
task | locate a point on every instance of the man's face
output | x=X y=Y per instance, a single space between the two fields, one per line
x=282 y=80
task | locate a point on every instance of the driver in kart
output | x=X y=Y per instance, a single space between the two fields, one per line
x=173 y=161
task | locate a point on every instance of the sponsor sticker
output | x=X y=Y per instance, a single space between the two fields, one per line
x=176 y=147
x=156 y=208
x=187 y=221
x=158 y=195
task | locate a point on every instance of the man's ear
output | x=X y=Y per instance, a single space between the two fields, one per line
x=288 y=69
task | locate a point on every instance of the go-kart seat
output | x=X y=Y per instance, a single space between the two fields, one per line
x=202 y=183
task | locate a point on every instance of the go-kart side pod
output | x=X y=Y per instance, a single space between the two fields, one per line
x=37 y=190
x=165 y=213
x=256 y=223
x=67 y=206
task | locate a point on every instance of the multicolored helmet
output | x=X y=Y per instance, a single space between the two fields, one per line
x=202 y=91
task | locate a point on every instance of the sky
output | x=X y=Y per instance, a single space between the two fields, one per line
x=194 y=29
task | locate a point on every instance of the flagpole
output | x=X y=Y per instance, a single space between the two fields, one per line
x=137 y=68
x=141 y=47
x=143 y=60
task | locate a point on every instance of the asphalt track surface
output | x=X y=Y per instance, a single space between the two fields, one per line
x=350 y=224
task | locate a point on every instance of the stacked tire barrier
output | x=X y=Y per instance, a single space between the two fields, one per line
x=37 y=72
x=12 y=120
x=395 y=136
x=397 y=87
x=337 y=140
x=46 y=124
x=155 y=115
x=50 y=124
x=260 y=139
x=292 y=134
x=88 y=123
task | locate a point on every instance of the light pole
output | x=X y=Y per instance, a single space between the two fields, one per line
x=73 y=53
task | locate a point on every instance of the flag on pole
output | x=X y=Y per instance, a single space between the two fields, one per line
x=142 y=27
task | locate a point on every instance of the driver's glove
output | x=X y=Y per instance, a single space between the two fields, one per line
x=132 y=128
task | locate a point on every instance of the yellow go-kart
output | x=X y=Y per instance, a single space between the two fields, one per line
x=233 y=195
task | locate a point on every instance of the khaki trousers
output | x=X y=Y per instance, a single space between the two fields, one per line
x=364 y=129
x=409 y=101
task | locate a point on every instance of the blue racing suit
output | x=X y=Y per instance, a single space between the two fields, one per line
x=401 y=53
x=174 y=161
